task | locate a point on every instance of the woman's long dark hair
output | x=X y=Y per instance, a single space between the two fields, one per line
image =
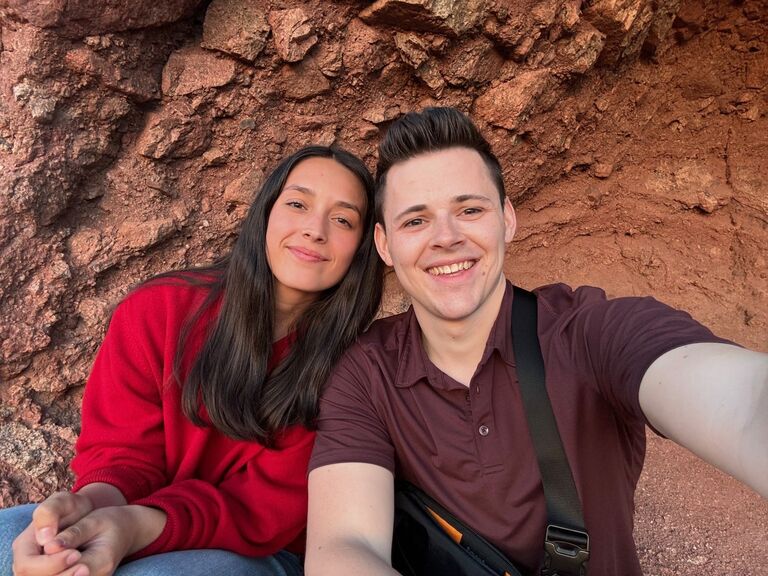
x=230 y=375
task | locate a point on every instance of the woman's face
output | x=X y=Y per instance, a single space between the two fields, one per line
x=314 y=229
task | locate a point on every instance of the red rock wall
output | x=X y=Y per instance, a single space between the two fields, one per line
x=633 y=134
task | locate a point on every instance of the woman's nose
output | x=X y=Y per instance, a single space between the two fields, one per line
x=314 y=230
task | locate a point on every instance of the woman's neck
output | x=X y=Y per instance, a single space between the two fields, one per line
x=287 y=311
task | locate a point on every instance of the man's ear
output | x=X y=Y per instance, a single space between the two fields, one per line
x=510 y=221
x=380 y=238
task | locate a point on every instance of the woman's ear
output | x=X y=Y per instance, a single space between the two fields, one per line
x=380 y=238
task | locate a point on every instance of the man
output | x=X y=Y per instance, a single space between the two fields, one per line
x=431 y=396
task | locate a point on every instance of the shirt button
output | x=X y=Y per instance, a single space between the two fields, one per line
x=484 y=430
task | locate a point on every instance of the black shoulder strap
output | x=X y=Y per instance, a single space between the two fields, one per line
x=567 y=543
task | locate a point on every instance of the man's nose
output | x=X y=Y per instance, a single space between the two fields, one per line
x=446 y=232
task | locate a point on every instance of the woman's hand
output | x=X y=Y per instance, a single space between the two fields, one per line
x=30 y=560
x=104 y=537
x=58 y=511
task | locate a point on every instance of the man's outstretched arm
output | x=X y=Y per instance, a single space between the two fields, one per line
x=351 y=512
x=713 y=400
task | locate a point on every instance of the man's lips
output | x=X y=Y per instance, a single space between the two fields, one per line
x=452 y=268
x=306 y=255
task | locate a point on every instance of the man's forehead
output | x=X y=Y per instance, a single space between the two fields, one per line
x=452 y=175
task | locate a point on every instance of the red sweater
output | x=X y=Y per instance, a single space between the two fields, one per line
x=217 y=492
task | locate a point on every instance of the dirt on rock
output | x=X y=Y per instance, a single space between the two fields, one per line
x=634 y=137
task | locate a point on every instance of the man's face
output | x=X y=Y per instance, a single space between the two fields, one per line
x=446 y=234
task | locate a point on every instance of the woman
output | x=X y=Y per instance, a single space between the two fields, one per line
x=196 y=416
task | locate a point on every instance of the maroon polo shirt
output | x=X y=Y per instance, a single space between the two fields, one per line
x=469 y=446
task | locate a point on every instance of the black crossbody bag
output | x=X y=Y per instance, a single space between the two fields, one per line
x=428 y=540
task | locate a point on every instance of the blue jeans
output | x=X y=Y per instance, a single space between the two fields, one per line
x=186 y=562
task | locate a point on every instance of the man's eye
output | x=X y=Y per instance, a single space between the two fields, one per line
x=413 y=222
x=472 y=210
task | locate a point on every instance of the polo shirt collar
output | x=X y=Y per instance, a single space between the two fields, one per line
x=412 y=355
x=415 y=364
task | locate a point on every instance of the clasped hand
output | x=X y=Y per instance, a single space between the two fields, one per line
x=69 y=537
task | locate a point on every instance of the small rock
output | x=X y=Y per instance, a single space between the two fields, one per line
x=430 y=74
x=701 y=83
x=22 y=92
x=191 y=69
x=292 y=32
x=443 y=16
x=174 y=131
x=602 y=170
x=94 y=312
x=303 y=81
x=757 y=75
x=475 y=62
x=235 y=27
x=580 y=52
x=394 y=77
x=365 y=49
x=507 y=104
x=329 y=59
x=380 y=113
x=413 y=49
x=242 y=190
x=625 y=25
x=214 y=156
x=752 y=113
x=42 y=108
x=367 y=131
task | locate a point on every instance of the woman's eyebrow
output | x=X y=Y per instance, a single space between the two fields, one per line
x=353 y=207
x=300 y=188
x=310 y=192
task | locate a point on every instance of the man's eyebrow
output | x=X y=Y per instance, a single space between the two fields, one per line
x=467 y=197
x=415 y=208
x=310 y=192
x=455 y=200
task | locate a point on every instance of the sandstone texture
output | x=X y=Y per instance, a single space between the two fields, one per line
x=633 y=134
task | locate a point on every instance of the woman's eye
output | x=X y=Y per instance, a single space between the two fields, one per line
x=295 y=204
x=344 y=222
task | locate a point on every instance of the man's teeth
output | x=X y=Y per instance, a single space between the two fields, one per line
x=451 y=269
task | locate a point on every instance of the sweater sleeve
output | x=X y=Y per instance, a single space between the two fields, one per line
x=122 y=442
x=257 y=511
x=255 y=506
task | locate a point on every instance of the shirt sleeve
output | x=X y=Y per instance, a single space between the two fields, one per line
x=349 y=428
x=122 y=442
x=612 y=343
x=256 y=511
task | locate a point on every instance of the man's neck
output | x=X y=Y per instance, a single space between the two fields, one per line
x=456 y=346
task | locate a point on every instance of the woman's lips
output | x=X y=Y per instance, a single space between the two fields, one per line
x=306 y=255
